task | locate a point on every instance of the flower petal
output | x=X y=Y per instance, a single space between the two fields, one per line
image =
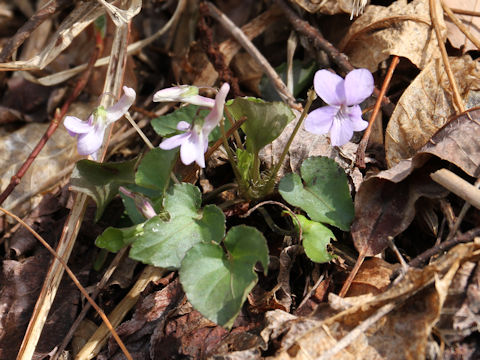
x=214 y=116
x=192 y=150
x=341 y=131
x=354 y=114
x=183 y=126
x=329 y=87
x=320 y=120
x=358 y=86
x=183 y=93
x=174 y=141
x=76 y=126
x=116 y=111
x=90 y=142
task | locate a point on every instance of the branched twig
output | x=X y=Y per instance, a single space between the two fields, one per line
x=59 y=114
x=460 y=26
x=444 y=246
x=238 y=34
x=75 y=280
x=362 y=146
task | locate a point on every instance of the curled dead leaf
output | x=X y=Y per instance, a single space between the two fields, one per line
x=401 y=29
x=385 y=203
x=426 y=106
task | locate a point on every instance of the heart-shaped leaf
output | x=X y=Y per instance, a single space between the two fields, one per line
x=216 y=283
x=164 y=243
x=101 y=180
x=265 y=120
x=325 y=196
x=316 y=237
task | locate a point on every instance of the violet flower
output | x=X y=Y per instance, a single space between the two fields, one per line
x=91 y=132
x=343 y=115
x=183 y=93
x=194 y=141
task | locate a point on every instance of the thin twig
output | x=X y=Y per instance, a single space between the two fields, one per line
x=362 y=146
x=460 y=25
x=238 y=34
x=357 y=331
x=457 y=99
x=139 y=131
x=287 y=209
x=26 y=29
x=101 y=284
x=465 y=12
x=444 y=246
x=458 y=186
x=75 y=281
x=59 y=114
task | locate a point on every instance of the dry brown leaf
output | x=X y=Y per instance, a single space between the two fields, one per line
x=426 y=105
x=384 y=205
x=454 y=35
x=328 y=7
x=401 y=334
x=401 y=29
x=373 y=277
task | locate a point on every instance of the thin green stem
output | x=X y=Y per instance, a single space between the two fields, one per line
x=235 y=133
x=271 y=181
x=230 y=155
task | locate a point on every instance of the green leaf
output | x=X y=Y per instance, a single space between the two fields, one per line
x=216 y=283
x=101 y=180
x=164 y=243
x=325 y=196
x=166 y=125
x=316 y=237
x=302 y=78
x=245 y=162
x=265 y=120
x=154 y=169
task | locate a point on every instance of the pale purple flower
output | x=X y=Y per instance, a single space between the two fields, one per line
x=343 y=115
x=183 y=93
x=194 y=141
x=91 y=132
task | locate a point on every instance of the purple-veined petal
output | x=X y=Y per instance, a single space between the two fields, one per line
x=90 y=142
x=341 y=131
x=174 y=141
x=76 y=126
x=320 y=120
x=116 y=111
x=192 y=150
x=183 y=126
x=329 y=87
x=214 y=116
x=354 y=114
x=358 y=86
x=200 y=101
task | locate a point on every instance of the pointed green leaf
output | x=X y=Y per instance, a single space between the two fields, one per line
x=302 y=78
x=164 y=243
x=101 y=180
x=216 y=283
x=325 y=196
x=265 y=120
x=154 y=170
x=316 y=237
